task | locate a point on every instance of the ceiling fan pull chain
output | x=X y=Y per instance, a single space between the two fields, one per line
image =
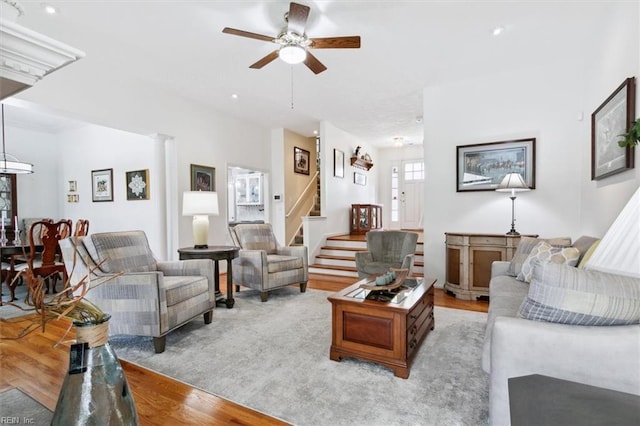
x=291 y=67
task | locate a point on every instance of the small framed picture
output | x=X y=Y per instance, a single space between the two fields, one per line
x=203 y=178
x=137 y=185
x=359 y=178
x=102 y=185
x=73 y=186
x=301 y=160
x=338 y=163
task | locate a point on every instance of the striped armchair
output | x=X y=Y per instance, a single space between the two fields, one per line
x=149 y=298
x=265 y=265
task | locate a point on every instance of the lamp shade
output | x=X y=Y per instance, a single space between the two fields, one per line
x=512 y=182
x=200 y=203
x=292 y=54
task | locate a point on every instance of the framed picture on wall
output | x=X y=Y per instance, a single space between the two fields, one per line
x=137 y=185
x=608 y=122
x=203 y=178
x=481 y=167
x=359 y=178
x=338 y=163
x=301 y=160
x=102 y=185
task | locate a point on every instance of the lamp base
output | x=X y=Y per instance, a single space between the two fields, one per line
x=200 y=246
x=513 y=232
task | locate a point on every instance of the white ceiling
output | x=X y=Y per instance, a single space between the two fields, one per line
x=374 y=92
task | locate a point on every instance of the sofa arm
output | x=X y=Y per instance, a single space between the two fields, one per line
x=499 y=267
x=250 y=267
x=607 y=357
x=192 y=267
x=134 y=301
x=408 y=262
x=298 y=251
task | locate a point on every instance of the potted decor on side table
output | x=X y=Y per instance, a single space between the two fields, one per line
x=632 y=137
x=95 y=389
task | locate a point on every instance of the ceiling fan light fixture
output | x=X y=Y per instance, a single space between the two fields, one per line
x=292 y=54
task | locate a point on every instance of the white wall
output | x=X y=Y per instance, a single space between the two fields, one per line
x=617 y=58
x=200 y=135
x=541 y=102
x=337 y=194
x=553 y=104
x=36 y=197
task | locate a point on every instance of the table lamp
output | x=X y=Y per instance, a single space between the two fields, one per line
x=200 y=205
x=513 y=183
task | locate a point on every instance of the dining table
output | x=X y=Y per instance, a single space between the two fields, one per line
x=12 y=255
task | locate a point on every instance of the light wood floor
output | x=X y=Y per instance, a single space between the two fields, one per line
x=34 y=366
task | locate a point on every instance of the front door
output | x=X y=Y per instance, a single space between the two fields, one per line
x=411 y=194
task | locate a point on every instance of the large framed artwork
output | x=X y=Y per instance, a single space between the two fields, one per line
x=203 y=178
x=608 y=122
x=481 y=167
x=102 y=185
x=338 y=163
x=301 y=160
x=137 y=185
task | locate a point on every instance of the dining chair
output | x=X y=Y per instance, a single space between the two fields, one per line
x=82 y=228
x=44 y=262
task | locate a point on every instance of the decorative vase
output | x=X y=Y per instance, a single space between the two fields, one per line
x=95 y=390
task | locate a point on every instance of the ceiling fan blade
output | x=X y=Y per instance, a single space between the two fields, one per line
x=314 y=64
x=266 y=60
x=349 y=42
x=242 y=33
x=297 y=18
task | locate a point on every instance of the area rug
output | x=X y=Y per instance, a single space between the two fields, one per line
x=274 y=357
x=18 y=408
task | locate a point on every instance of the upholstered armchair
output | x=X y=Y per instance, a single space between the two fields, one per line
x=145 y=297
x=263 y=264
x=387 y=249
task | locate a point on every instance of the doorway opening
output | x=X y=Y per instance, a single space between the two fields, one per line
x=247 y=195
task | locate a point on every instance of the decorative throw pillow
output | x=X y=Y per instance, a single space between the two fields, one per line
x=544 y=252
x=587 y=255
x=564 y=294
x=524 y=249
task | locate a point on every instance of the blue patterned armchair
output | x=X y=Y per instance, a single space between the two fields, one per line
x=265 y=265
x=145 y=297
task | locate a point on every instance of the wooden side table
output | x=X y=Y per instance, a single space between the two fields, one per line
x=215 y=253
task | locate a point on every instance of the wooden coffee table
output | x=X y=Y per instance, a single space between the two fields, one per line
x=385 y=332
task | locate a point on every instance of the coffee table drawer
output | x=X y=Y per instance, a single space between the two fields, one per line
x=419 y=330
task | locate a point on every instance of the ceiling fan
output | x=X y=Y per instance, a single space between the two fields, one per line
x=294 y=43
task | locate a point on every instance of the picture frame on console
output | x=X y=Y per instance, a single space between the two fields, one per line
x=203 y=178
x=301 y=158
x=612 y=118
x=481 y=167
x=102 y=185
x=338 y=163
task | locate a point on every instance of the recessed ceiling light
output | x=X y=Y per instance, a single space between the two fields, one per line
x=398 y=141
x=498 y=30
x=49 y=9
x=234 y=96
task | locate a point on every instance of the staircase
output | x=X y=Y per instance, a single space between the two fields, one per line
x=315 y=211
x=337 y=256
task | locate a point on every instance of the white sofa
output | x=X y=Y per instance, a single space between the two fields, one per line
x=603 y=356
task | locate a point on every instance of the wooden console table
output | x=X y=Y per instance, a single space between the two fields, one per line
x=365 y=217
x=469 y=258
x=387 y=333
